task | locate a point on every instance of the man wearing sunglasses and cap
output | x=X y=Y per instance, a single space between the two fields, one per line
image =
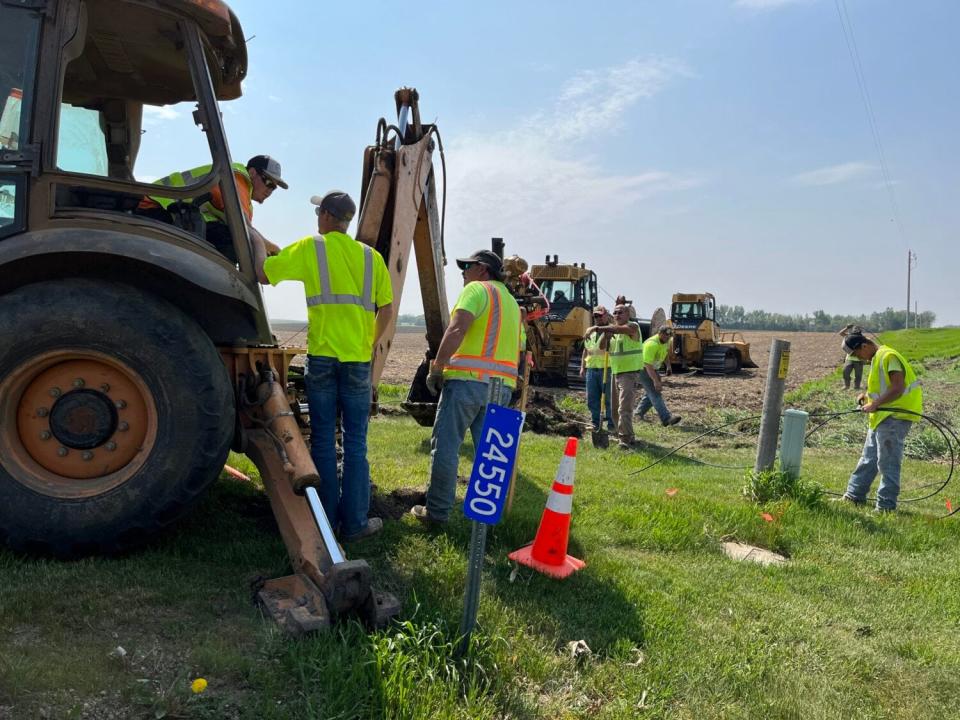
x=891 y=385
x=255 y=181
x=349 y=295
x=482 y=341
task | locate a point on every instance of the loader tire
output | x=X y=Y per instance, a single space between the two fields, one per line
x=116 y=413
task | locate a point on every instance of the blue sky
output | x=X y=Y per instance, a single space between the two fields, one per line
x=719 y=145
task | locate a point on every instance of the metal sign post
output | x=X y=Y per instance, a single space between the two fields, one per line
x=487 y=493
x=777 y=367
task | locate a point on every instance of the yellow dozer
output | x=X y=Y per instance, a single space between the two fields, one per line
x=697 y=340
x=557 y=337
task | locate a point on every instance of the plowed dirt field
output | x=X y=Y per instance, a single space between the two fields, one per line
x=812 y=355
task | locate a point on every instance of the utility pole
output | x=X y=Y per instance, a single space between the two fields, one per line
x=911 y=263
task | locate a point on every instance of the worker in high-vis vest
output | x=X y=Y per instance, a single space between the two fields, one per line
x=595 y=371
x=255 y=181
x=349 y=295
x=483 y=341
x=623 y=342
x=892 y=385
x=656 y=351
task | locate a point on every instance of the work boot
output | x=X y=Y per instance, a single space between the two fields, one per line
x=846 y=499
x=421 y=514
x=672 y=420
x=374 y=525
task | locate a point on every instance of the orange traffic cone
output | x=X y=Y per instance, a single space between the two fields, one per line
x=548 y=552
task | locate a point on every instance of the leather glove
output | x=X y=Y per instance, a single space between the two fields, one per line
x=435 y=380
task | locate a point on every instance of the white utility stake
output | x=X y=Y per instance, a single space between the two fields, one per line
x=792 y=440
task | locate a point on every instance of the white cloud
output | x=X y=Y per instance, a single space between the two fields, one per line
x=539 y=185
x=154 y=115
x=833 y=174
x=767 y=4
x=596 y=100
x=274 y=98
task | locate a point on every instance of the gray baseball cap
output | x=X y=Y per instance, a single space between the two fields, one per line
x=266 y=165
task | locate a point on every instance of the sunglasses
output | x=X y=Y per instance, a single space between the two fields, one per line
x=270 y=184
x=467 y=265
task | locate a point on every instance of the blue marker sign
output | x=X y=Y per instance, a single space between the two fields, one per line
x=493 y=465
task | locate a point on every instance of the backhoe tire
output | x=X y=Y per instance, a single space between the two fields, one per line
x=116 y=413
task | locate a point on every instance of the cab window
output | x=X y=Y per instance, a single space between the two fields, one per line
x=18 y=49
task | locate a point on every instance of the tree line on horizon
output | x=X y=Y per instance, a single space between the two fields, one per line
x=735 y=317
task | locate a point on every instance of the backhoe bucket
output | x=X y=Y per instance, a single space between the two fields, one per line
x=324 y=584
x=420 y=402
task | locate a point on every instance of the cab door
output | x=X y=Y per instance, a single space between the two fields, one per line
x=19 y=35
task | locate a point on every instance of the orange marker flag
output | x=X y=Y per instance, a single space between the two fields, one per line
x=672 y=491
x=949 y=506
x=767 y=516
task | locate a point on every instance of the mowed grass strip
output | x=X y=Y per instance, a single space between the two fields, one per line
x=862 y=622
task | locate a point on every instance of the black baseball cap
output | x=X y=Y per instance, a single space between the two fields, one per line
x=484 y=257
x=852 y=342
x=337 y=203
x=266 y=165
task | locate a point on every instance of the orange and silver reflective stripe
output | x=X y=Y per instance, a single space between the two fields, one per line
x=482 y=365
x=323 y=276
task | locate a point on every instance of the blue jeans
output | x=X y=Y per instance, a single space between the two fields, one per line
x=333 y=385
x=883 y=453
x=462 y=405
x=595 y=386
x=651 y=398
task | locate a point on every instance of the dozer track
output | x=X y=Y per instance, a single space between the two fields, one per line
x=574 y=381
x=720 y=360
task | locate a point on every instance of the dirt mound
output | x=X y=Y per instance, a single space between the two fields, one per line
x=545 y=417
x=397 y=503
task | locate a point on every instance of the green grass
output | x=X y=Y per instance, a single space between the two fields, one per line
x=862 y=623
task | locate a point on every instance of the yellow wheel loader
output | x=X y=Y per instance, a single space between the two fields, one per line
x=133 y=353
x=697 y=340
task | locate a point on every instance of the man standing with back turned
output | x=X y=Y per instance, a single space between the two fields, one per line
x=348 y=308
x=482 y=342
x=890 y=384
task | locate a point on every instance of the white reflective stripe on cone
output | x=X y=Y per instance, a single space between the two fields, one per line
x=565 y=471
x=560 y=503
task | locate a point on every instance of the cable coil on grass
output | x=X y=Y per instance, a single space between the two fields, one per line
x=949 y=436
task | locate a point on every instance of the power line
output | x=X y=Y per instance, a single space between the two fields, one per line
x=846 y=24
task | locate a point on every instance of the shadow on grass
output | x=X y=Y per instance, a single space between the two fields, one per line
x=584 y=606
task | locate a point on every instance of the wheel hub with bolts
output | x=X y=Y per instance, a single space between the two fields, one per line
x=80 y=416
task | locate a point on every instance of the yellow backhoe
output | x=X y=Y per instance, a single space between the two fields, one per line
x=133 y=353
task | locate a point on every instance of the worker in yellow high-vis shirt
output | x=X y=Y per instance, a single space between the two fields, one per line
x=483 y=341
x=891 y=385
x=656 y=350
x=348 y=308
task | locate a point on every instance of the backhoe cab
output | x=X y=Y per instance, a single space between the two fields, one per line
x=697 y=340
x=133 y=354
